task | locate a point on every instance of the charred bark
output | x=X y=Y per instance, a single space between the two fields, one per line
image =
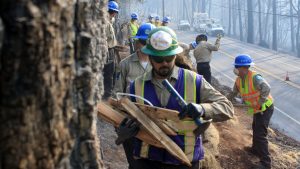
x=38 y=58
x=36 y=77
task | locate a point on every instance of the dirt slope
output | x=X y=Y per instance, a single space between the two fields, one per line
x=237 y=134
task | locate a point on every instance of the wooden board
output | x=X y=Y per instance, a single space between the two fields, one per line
x=152 y=112
x=114 y=117
x=155 y=131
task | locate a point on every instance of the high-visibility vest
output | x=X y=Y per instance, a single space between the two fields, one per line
x=134 y=28
x=188 y=86
x=251 y=95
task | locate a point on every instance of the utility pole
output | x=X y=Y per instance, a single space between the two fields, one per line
x=163 y=8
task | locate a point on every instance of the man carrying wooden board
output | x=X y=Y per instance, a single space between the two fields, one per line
x=203 y=101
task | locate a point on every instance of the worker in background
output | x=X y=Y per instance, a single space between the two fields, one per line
x=157 y=22
x=255 y=92
x=151 y=19
x=166 y=20
x=136 y=64
x=130 y=68
x=203 y=54
x=133 y=27
x=109 y=67
x=203 y=101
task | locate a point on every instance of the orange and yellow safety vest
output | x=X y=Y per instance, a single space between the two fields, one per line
x=251 y=95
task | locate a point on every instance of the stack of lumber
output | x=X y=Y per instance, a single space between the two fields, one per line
x=153 y=130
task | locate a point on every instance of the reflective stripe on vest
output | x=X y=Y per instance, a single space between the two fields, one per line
x=188 y=85
x=250 y=95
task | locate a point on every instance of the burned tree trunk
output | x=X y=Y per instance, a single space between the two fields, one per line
x=240 y=20
x=90 y=55
x=37 y=82
x=274 y=37
x=298 y=30
x=259 y=22
x=292 y=26
x=234 y=17
x=203 y=6
x=36 y=76
x=250 y=34
x=229 y=16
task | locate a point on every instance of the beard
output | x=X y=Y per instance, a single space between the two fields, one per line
x=164 y=71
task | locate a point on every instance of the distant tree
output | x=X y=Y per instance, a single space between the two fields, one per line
x=234 y=17
x=259 y=21
x=250 y=33
x=203 y=6
x=274 y=37
x=292 y=26
x=240 y=20
x=298 y=30
x=229 y=16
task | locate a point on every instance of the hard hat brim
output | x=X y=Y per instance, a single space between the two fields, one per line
x=141 y=37
x=162 y=53
x=115 y=10
x=251 y=64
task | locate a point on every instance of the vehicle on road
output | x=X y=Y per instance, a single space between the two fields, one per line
x=184 y=25
x=214 y=29
x=199 y=22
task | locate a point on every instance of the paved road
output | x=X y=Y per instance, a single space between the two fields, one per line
x=273 y=66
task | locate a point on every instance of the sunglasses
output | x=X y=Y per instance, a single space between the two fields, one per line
x=160 y=59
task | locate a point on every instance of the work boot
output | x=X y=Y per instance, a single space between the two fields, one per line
x=251 y=151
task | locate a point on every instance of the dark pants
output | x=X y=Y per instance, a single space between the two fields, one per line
x=131 y=45
x=109 y=73
x=260 y=131
x=204 y=70
x=148 y=164
x=128 y=148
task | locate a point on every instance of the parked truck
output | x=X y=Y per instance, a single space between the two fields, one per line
x=205 y=25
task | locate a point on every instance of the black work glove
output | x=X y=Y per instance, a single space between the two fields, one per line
x=127 y=129
x=192 y=110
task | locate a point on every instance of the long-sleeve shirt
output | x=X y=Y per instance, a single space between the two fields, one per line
x=129 y=69
x=215 y=105
x=203 y=51
x=110 y=34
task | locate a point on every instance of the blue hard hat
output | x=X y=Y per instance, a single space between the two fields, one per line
x=243 y=60
x=166 y=19
x=134 y=16
x=194 y=44
x=157 y=17
x=112 y=5
x=144 y=31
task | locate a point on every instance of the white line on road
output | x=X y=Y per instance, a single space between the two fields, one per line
x=280 y=61
x=280 y=111
x=265 y=71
